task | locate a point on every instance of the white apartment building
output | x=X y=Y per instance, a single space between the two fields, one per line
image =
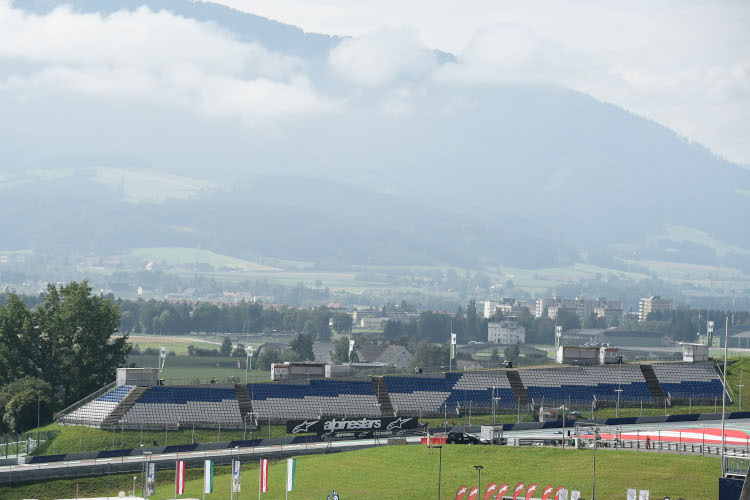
x=507 y=331
x=652 y=304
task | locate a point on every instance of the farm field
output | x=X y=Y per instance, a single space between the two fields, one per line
x=411 y=472
x=184 y=370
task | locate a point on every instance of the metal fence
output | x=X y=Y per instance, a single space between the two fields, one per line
x=18 y=445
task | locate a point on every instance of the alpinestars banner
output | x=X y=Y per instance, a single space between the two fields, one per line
x=353 y=427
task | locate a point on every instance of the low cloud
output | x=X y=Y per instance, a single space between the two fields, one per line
x=382 y=57
x=152 y=56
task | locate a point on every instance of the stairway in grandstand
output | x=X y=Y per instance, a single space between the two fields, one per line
x=127 y=402
x=381 y=392
x=516 y=385
x=653 y=383
x=243 y=398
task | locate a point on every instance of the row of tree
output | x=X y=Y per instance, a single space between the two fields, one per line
x=153 y=316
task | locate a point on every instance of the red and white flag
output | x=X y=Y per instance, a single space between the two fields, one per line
x=473 y=493
x=264 y=475
x=561 y=493
x=547 y=493
x=530 y=491
x=179 y=486
x=518 y=490
x=502 y=491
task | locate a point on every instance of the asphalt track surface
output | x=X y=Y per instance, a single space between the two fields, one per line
x=705 y=432
x=79 y=468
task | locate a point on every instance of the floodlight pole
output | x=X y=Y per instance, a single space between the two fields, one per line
x=617 y=408
x=724 y=398
x=479 y=480
x=440 y=466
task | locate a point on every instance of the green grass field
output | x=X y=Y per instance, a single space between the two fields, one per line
x=407 y=472
x=83 y=439
x=184 y=370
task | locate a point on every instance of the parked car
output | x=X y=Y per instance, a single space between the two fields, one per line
x=462 y=438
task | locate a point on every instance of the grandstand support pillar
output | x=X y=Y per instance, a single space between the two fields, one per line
x=218 y=437
x=140 y=439
x=192 y=435
x=80 y=439
x=690 y=405
x=166 y=436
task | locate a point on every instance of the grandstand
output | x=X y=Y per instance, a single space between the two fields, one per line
x=435 y=394
x=695 y=381
x=587 y=383
x=314 y=398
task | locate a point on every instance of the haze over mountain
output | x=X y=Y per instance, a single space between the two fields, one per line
x=311 y=147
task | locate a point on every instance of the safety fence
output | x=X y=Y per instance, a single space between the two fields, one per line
x=18 y=445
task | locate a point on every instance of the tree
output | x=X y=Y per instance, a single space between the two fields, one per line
x=392 y=329
x=239 y=351
x=495 y=356
x=568 y=320
x=340 y=351
x=594 y=321
x=302 y=345
x=77 y=351
x=322 y=318
x=472 y=321
x=267 y=357
x=226 y=347
x=512 y=352
x=430 y=355
x=342 y=322
x=18 y=404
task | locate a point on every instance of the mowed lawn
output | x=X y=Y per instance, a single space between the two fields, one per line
x=407 y=472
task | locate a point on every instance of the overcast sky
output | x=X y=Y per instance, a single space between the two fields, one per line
x=682 y=63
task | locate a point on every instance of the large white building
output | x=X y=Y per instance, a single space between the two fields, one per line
x=652 y=304
x=507 y=331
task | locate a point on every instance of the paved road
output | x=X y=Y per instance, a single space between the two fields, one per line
x=704 y=432
x=77 y=468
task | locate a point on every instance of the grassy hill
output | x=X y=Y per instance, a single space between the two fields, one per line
x=412 y=472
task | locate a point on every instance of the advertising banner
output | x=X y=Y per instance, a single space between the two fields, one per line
x=502 y=490
x=518 y=490
x=151 y=479
x=643 y=495
x=530 y=491
x=461 y=492
x=490 y=491
x=365 y=427
x=547 y=492
x=236 y=475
